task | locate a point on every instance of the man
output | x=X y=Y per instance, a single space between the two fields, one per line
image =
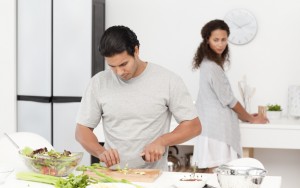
x=135 y=100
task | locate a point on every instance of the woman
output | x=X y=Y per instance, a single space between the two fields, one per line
x=218 y=109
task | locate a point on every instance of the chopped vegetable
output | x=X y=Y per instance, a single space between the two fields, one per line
x=41 y=178
x=72 y=181
x=27 y=151
x=103 y=177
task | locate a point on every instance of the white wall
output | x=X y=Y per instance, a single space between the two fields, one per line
x=169 y=33
x=7 y=66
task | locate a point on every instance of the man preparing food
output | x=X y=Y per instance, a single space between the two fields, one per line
x=135 y=100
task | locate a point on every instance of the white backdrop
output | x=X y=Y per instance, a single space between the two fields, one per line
x=169 y=33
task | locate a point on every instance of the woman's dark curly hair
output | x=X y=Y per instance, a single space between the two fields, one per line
x=205 y=51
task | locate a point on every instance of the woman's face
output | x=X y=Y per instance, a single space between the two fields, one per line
x=218 y=41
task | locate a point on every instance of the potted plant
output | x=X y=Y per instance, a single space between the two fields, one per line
x=274 y=111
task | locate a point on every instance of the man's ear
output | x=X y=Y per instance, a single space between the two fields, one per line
x=136 y=51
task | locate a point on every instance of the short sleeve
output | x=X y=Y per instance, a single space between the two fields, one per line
x=181 y=103
x=89 y=113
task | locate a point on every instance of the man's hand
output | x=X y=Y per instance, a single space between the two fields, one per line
x=110 y=157
x=154 y=151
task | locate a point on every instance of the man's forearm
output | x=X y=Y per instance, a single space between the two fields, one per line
x=88 y=140
x=185 y=131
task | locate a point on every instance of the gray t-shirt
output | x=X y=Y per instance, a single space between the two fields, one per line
x=137 y=111
x=214 y=104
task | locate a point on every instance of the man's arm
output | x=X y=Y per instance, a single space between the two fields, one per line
x=185 y=131
x=85 y=136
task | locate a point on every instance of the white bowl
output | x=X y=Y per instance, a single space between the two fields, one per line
x=4 y=173
x=274 y=115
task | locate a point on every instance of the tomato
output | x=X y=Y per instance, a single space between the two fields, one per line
x=48 y=171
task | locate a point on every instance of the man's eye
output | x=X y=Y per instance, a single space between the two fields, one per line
x=124 y=64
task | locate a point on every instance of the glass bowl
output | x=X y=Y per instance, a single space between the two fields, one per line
x=240 y=176
x=45 y=164
x=4 y=173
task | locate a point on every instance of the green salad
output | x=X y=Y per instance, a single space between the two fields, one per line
x=51 y=162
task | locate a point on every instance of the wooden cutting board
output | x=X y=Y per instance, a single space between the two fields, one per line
x=133 y=175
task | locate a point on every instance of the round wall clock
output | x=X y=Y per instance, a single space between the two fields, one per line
x=242 y=24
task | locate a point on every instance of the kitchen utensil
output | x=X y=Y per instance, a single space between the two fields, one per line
x=246 y=92
x=173 y=162
x=12 y=141
x=240 y=176
x=137 y=162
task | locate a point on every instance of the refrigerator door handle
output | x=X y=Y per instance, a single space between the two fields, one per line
x=42 y=99
x=65 y=99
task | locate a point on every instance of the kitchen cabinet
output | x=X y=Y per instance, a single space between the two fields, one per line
x=56 y=57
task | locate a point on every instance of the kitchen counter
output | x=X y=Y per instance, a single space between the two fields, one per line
x=166 y=180
x=283 y=133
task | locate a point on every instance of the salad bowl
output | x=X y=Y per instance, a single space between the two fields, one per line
x=52 y=163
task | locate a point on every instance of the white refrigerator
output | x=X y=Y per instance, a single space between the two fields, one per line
x=56 y=57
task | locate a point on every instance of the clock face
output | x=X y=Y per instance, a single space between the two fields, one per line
x=242 y=24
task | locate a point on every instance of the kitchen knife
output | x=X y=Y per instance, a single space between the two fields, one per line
x=137 y=162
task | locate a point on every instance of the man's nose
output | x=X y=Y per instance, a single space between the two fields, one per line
x=119 y=71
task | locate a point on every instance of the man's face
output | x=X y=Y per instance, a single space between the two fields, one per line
x=123 y=65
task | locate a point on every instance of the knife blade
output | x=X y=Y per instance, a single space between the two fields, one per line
x=137 y=162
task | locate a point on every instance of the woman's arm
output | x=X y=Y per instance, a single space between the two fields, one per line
x=243 y=115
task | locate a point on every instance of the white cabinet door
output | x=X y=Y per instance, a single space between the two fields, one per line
x=35 y=117
x=34 y=47
x=72 y=27
x=64 y=124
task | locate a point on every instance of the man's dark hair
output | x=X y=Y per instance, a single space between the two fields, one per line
x=116 y=40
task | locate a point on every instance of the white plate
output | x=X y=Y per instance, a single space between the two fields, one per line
x=190 y=184
x=111 y=185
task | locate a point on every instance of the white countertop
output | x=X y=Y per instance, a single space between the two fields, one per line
x=282 y=133
x=166 y=180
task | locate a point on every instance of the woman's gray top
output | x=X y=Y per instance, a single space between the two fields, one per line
x=214 y=104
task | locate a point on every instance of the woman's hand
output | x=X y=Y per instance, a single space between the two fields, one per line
x=259 y=119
